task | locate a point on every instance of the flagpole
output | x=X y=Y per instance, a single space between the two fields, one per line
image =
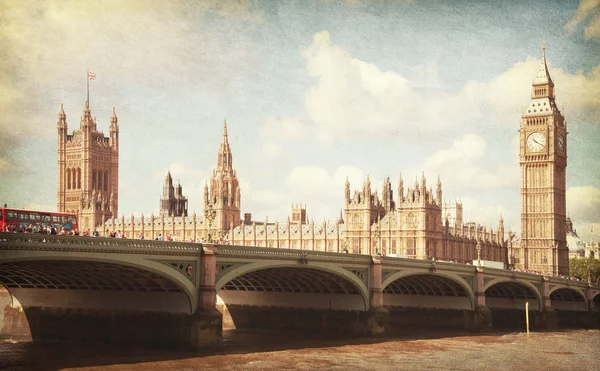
x=87 y=76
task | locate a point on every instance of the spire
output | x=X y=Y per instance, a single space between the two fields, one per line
x=62 y=117
x=400 y=189
x=113 y=118
x=438 y=191
x=543 y=76
x=347 y=191
x=225 y=139
x=542 y=91
x=86 y=118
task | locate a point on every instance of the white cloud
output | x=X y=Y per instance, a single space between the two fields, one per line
x=465 y=165
x=271 y=150
x=489 y=214
x=356 y=99
x=583 y=204
x=142 y=45
x=592 y=30
x=309 y=181
x=586 y=8
x=312 y=181
x=583 y=207
x=588 y=231
x=320 y=190
x=288 y=128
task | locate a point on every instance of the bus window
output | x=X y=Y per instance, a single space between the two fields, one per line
x=37 y=217
x=11 y=215
x=56 y=219
x=1 y=214
x=46 y=218
x=23 y=216
x=32 y=216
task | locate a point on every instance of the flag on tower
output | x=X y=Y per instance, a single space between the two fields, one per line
x=91 y=76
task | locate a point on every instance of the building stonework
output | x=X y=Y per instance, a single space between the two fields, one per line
x=543 y=160
x=88 y=170
x=416 y=225
x=173 y=202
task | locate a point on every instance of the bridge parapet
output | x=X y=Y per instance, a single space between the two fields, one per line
x=228 y=251
x=48 y=242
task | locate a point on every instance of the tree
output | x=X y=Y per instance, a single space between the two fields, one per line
x=585 y=269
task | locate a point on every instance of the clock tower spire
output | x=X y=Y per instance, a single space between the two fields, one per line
x=543 y=161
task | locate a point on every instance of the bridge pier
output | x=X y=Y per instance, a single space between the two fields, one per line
x=13 y=323
x=593 y=315
x=378 y=316
x=480 y=319
x=547 y=318
x=207 y=326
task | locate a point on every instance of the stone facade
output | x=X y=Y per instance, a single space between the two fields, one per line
x=416 y=225
x=88 y=170
x=543 y=160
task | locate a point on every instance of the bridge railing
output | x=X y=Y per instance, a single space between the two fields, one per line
x=255 y=252
x=53 y=242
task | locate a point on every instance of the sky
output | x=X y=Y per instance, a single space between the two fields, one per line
x=313 y=92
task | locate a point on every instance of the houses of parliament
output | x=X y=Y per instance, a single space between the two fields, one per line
x=404 y=220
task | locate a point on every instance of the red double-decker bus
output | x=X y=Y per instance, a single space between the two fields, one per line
x=32 y=220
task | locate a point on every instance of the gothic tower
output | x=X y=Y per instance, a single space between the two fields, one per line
x=543 y=160
x=224 y=194
x=173 y=202
x=88 y=170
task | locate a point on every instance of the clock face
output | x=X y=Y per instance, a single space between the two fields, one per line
x=536 y=142
x=561 y=143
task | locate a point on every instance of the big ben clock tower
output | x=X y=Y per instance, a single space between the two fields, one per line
x=543 y=160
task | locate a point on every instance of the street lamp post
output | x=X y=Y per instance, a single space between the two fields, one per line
x=209 y=215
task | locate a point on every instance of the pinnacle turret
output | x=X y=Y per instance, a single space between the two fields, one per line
x=62 y=118
x=113 y=119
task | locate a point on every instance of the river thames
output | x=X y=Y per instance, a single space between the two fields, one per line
x=560 y=350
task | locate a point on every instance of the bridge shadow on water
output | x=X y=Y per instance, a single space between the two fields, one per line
x=26 y=355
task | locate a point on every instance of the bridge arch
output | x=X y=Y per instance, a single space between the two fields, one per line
x=323 y=271
x=568 y=298
x=513 y=290
x=42 y=270
x=437 y=282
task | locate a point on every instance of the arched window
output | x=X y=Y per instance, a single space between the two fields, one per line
x=106 y=180
x=93 y=179
x=68 y=178
x=79 y=178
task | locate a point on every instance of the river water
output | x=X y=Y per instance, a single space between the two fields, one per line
x=563 y=350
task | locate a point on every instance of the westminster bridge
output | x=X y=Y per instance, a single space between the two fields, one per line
x=183 y=294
